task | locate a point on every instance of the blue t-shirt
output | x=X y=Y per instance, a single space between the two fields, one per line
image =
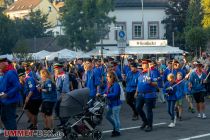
x=30 y=86
x=145 y=89
x=131 y=81
x=51 y=94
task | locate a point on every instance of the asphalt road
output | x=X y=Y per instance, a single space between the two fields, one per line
x=189 y=128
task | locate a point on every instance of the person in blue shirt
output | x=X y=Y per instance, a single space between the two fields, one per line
x=131 y=84
x=177 y=68
x=170 y=93
x=155 y=71
x=180 y=92
x=62 y=87
x=114 y=106
x=33 y=101
x=197 y=81
x=93 y=79
x=146 y=95
x=167 y=71
x=10 y=96
x=49 y=98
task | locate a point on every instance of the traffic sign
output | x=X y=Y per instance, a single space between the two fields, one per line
x=121 y=34
x=121 y=43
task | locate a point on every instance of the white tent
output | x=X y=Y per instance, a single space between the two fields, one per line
x=40 y=55
x=62 y=54
x=81 y=54
x=153 y=50
x=113 y=51
x=8 y=56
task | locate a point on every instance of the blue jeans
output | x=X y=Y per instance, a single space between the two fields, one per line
x=171 y=108
x=147 y=117
x=8 y=117
x=113 y=116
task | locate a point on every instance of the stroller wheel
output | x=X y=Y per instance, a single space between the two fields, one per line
x=72 y=136
x=96 y=134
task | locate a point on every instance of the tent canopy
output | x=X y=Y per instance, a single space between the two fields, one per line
x=112 y=51
x=40 y=55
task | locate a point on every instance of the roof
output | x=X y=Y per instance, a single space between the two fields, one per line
x=46 y=43
x=23 y=5
x=137 y=3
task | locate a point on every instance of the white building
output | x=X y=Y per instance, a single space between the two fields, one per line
x=137 y=23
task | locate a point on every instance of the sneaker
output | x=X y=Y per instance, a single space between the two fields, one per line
x=180 y=118
x=204 y=116
x=199 y=115
x=171 y=125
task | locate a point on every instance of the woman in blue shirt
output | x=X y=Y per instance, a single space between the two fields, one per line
x=114 y=105
x=49 y=97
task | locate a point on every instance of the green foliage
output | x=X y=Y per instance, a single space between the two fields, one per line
x=34 y=26
x=8 y=36
x=194 y=14
x=175 y=21
x=196 y=38
x=86 y=22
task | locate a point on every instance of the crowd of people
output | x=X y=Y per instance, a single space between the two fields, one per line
x=40 y=87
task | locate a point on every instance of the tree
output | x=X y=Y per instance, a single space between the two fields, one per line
x=86 y=21
x=175 y=21
x=195 y=35
x=206 y=10
x=194 y=14
x=33 y=26
x=8 y=35
x=196 y=38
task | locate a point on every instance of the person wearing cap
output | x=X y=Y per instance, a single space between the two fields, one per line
x=146 y=95
x=197 y=81
x=131 y=84
x=62 y=87
x=10 y=97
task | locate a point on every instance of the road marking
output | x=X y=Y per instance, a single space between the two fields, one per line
x=108 y=131
x=196 y=137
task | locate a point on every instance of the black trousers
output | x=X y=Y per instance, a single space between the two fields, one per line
x=147 y=117
x=131 y=101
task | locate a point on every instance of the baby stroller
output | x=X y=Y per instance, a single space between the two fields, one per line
x=80 y=118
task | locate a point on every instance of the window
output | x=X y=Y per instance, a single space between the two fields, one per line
x=137 y=30
x=153 y=32
x=123 y=27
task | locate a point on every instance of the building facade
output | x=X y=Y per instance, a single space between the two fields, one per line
x=139 y=23
x=21 y=9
